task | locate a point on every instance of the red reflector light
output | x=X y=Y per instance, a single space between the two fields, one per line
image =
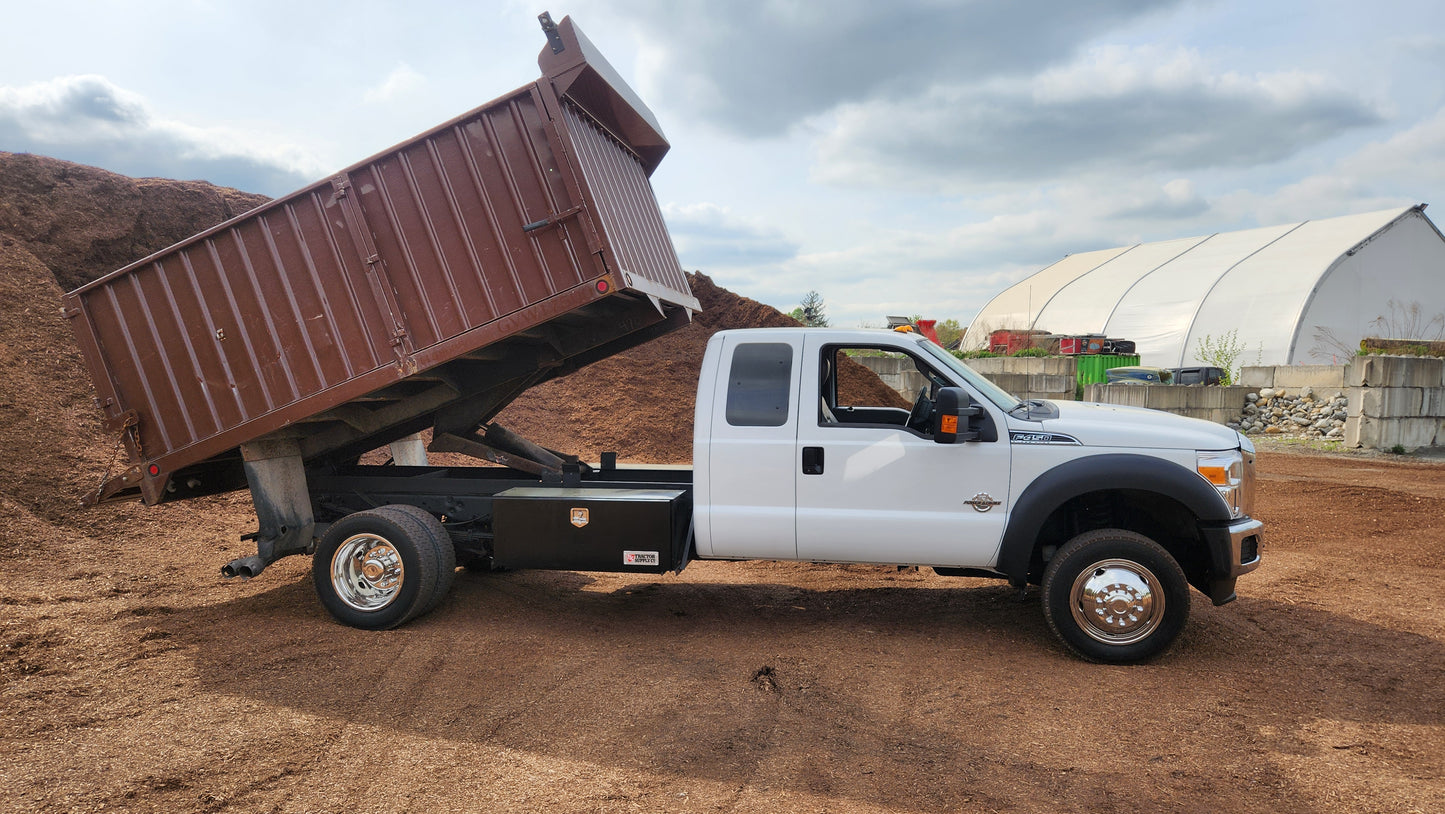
x=153 y=469
x=602 y=286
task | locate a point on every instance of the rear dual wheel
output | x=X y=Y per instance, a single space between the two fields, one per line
x=380 y=568
x=1115 y=596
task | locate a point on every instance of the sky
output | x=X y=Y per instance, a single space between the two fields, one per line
x=914 y=157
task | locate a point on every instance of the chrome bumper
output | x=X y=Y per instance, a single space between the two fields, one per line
x=1233 y=551
x=1241 y=546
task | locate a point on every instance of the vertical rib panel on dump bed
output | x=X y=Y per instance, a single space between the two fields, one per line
x=626 y=207
x=485 y=228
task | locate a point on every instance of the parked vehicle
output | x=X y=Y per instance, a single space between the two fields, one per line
x=1135 y=374
x=1197 y=375
x=428 y=286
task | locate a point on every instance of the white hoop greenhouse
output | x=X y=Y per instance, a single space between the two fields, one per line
x=1295 y=294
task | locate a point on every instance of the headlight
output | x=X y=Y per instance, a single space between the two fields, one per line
x=1225 y=471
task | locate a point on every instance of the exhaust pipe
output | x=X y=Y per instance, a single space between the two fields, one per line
x=245 y=567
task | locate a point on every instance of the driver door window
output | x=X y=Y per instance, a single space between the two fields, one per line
x=853 y=394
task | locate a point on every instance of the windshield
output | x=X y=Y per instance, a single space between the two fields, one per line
x=990 y=391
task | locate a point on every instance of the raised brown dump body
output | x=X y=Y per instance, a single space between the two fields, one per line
x=425 y=286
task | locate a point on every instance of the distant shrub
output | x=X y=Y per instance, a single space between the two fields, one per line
x=974 y=354
x=1222 y=353
x=1030 y=352
x=1400 y=350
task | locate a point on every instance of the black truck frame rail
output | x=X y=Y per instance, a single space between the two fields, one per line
x=581 y=518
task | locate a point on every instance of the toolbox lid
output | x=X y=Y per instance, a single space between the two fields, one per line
x=586 y=493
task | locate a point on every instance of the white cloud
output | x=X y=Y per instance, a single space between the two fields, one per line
x=711 y=238
x=1118 y=111
x=403 y=81
x=75 y=109
x=759 y=68
x=952 y=272
x=88 y=119
x=1415 y=155
x=1402 y=170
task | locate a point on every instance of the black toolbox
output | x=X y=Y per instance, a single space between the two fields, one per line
x=591 y=529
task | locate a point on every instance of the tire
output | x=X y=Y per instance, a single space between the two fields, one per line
x=375 y=569
x=1114 y=596
x=441 y=541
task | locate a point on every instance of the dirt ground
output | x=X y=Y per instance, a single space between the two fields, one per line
x=133 y=678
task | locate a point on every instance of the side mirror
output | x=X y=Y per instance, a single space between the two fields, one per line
x=951 y=413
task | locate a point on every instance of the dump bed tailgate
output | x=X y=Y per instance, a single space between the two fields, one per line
x=508 y=246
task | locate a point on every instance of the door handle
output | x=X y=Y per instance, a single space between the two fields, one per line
x=812 y=460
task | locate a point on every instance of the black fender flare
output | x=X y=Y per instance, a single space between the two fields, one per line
x=1094 y=473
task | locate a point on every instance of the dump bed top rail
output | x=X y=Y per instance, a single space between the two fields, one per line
x=431 y=283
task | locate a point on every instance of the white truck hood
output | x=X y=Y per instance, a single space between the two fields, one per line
x=1112 y=425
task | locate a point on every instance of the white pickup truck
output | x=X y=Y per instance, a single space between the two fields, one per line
x=1115 y=511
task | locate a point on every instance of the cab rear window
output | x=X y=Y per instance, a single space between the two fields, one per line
x=758 y=384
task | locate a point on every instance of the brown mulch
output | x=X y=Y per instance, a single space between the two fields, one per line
x=640 y=403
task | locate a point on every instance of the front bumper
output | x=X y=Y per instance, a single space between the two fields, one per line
x=1234 y=551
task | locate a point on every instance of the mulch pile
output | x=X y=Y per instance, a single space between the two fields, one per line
x=61 y=225
x=640 y=403
x=82 y=222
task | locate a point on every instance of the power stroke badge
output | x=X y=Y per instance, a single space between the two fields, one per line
x=981 y=502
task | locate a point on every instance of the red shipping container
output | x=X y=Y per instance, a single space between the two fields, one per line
x=1006 y=341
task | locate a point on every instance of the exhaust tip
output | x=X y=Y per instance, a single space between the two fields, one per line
x=245 y=568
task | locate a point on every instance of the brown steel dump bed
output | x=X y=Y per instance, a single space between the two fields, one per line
x=429 y=284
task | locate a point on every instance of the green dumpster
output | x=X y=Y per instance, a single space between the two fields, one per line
x=1091 y=367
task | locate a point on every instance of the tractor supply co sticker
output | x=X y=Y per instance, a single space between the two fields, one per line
x=639 y=558
x=1042 y=438
x=581 y=517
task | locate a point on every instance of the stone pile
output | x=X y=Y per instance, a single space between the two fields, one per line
x=1300 y=412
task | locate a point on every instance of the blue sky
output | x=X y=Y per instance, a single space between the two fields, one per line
x=912 y=157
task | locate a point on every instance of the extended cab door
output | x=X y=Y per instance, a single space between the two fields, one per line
x=871 y=488
x=743 y=463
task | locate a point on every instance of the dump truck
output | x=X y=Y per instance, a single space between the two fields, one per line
x=425 y=288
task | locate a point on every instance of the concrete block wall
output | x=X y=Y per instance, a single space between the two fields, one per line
x=1395 y=371
x=898 y=374
x=1218 y=404
x=1047 y=377
x=1395 y=401
x=1026 y=377
x=1318 y=377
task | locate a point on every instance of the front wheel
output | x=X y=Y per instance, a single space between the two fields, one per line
x=1115 y=596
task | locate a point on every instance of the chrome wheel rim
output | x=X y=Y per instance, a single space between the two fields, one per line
x=367 y=572
x=1117 y=601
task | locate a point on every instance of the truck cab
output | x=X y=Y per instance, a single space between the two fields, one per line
x=1114 y=511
